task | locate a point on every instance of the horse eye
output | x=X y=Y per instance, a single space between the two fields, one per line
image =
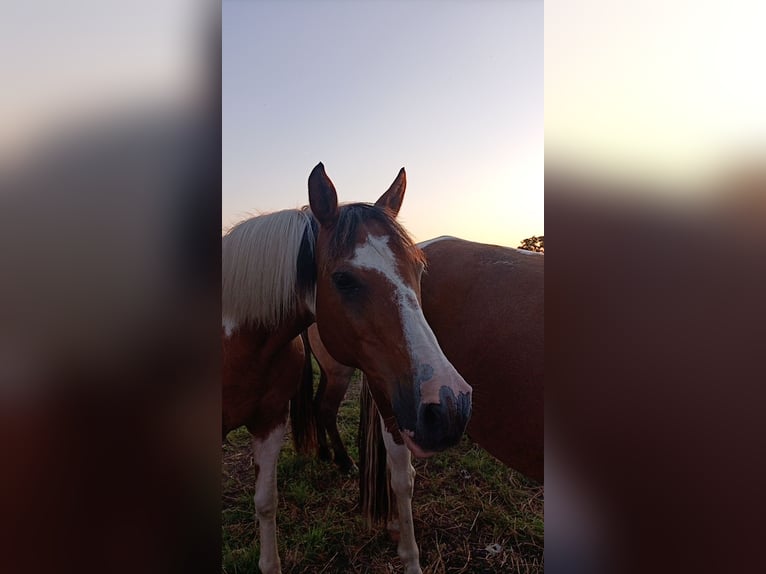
x=345 y=282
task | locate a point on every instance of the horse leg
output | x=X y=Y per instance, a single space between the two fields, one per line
x=403 y=483
x=328 y=415
x=265 y=455
x=323 y=452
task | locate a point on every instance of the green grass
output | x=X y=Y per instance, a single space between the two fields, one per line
x=472 y=514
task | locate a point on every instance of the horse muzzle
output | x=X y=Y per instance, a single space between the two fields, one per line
x=438 y=426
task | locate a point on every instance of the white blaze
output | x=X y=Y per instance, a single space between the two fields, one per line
x=432 y=370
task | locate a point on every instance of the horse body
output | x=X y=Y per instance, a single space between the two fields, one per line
x=486 y=305
x=255 y=364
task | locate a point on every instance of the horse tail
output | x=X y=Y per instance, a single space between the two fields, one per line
x=375 y=494
x=302 y=417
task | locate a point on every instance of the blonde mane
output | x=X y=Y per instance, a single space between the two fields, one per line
x=259 y=267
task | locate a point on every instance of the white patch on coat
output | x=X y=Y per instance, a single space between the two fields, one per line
x=229 y=326
x=528 y=252
x=424 y=244
x=265 y=455
x=431 y=369
x=403 y=484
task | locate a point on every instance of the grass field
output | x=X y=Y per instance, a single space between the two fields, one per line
x=472 y=514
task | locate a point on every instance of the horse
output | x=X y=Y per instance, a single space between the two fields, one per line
x=266 y=281
x=356 y=272
x=485 y=303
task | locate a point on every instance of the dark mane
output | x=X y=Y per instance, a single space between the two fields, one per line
x=354 y=215
x=306 y=277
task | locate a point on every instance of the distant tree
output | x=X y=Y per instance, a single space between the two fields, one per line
x=534 y=243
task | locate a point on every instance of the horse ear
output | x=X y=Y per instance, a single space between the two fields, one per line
x=323 y=198
x=392 y=199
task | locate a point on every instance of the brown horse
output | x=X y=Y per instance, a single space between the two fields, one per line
x=485 y=303
x=355 y=270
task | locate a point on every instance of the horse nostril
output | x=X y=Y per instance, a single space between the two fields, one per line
x=440 y=425
x=432 y=415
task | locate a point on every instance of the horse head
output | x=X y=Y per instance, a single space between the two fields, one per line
x=368 y=312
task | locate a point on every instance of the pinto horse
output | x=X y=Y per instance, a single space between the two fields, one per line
x=267 y=284
x=354 y=270
x=485 y=303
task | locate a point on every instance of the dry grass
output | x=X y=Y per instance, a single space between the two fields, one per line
x=472 y=514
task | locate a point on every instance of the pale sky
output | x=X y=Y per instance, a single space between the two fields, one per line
x=452 y=91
